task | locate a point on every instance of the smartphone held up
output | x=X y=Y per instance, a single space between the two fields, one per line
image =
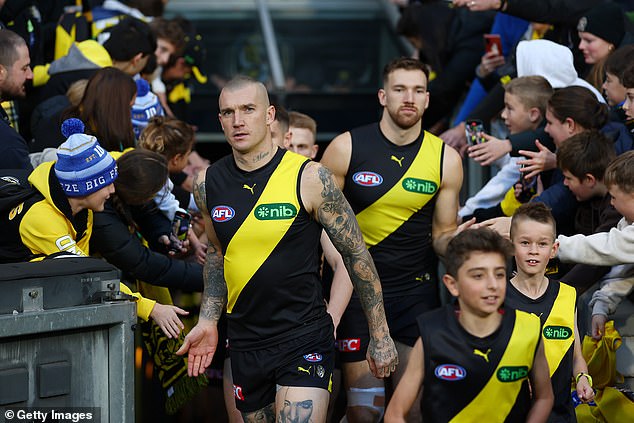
x=473 y=130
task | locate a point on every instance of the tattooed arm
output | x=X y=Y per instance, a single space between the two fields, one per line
x=324 y=200
x=202 y=341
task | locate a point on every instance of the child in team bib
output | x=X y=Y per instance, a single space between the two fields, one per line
x=475 y=360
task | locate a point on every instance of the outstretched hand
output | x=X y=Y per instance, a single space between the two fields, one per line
x=201 y=343
x=501 y=225
x=382 y=356
x=166 y=317
x=537 y=161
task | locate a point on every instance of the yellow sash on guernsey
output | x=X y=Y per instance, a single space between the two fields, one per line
x=245 y=259
x=558 y=331
x=496 y=399
x=396 y=206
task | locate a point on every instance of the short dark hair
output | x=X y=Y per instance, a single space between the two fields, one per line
x=586 y=152
x=9 y=43
x=128 y=38
x=620 y=172
x=627 y=77
x=406 y=63
x=474 y=240
x=536 y=211
x=618 y=61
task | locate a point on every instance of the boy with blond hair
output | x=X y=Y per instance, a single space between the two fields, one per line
x=473 y=361
x=533 y=236
x=525 y=102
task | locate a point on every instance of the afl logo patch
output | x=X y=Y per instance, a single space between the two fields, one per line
x=367 y=179
x=450 y=372
x=222 y=213
x=313 y=358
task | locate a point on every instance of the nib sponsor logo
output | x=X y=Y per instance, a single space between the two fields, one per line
x=557 y=332
x=419 y=186
x=275 y=211
x=512 y=373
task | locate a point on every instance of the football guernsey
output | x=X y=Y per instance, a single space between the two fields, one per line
x=556 y=311
x=471 y=379
x=392 y=190
x=270 y=245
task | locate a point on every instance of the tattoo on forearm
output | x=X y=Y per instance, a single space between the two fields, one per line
x=263 y=415
x=200 y=196
x=337 y=218
x=215 y=292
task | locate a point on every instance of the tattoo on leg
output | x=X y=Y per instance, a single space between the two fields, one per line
x=296 y=411
x=263 y=415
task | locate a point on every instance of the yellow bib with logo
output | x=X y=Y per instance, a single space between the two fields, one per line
x=243 y=257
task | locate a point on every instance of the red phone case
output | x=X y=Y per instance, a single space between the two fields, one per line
x=493 y=41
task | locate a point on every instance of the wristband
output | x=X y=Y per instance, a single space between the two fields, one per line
x=502 y=4
x=587 y=377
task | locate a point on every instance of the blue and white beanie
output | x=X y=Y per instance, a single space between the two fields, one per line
x=82 y=166
x=145 y=107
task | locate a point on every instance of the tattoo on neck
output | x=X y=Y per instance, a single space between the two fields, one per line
x=260 y=156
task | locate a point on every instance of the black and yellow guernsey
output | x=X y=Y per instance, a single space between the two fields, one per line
x=270 y=247
x=472 y=379
x=556 y=311
x=392 y=190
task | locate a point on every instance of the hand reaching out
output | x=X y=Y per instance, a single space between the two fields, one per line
x=537 y=161
x=166 y=316
x=201 y=343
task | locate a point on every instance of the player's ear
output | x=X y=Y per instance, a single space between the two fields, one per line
x=451 y=284
x=381 y=94
x=553 y=251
